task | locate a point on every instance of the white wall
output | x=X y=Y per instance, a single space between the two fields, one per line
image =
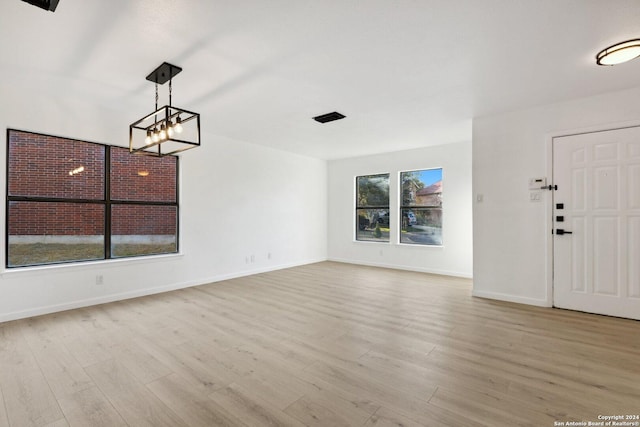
x=511 y=242
x=453 y=258
x=238 y=200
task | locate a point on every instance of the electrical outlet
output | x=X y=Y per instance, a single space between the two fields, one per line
x=99 y=279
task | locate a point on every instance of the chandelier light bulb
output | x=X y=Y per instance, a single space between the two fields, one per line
x=178 y=126
x=163 y=132
x=154 y=135
x=147 y=140
x=170 y=129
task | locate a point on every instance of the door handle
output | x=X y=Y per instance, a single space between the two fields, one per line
x=560 y=232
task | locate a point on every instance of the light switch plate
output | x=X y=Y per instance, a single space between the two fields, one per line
x=537 y=183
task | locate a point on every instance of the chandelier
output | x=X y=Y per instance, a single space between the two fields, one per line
x=169 y=129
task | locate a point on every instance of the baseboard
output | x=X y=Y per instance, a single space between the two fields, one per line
x=405 y=267
x=511 y=298
x=229 y=276
x=39 y=311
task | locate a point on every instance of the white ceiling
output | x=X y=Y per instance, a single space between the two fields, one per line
x=406 y=73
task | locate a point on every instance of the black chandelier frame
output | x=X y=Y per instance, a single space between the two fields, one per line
x=164 y=117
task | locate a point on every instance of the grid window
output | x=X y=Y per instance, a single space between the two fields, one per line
x=42 y=166
x=144 y=212
x=70 y=200
x=139 y=178
x=372 y=208
x=143 y=230
x=421 y=207
x=43 y=232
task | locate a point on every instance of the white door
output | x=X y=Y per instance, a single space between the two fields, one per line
x=596 y=262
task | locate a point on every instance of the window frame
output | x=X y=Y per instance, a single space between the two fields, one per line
x=380 y=207
x=106 y=201
x=402 y=207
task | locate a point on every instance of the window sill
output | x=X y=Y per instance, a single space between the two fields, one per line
x=417 y=245
x=87 y=265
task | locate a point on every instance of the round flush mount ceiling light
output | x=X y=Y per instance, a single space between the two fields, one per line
x=619 y=53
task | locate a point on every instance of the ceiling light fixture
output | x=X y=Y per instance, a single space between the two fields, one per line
x=329 y=117
x=168 y=130
x=619 y=53
x=44 y=4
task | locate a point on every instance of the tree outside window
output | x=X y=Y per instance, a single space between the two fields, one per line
x=372 y=208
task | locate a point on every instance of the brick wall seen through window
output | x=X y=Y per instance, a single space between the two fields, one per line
x=64 y=194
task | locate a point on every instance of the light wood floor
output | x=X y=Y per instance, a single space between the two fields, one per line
x=327 y=344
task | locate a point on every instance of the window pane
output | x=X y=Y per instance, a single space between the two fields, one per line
x=422 y=226
x=372 y=225
x=142 y=178
x=143 y=230
x=421 y=208
x=422 y=188
x=48 y=166
x=372 y=191
x=48 y=232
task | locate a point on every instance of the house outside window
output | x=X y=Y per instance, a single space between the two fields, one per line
x=70 y=200
x=421 y=207
x=372 y=208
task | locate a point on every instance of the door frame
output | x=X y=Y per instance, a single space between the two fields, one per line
x=549 y=249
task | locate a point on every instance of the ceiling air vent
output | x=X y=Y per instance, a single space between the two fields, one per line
x=44 y=4
x=329 y=117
